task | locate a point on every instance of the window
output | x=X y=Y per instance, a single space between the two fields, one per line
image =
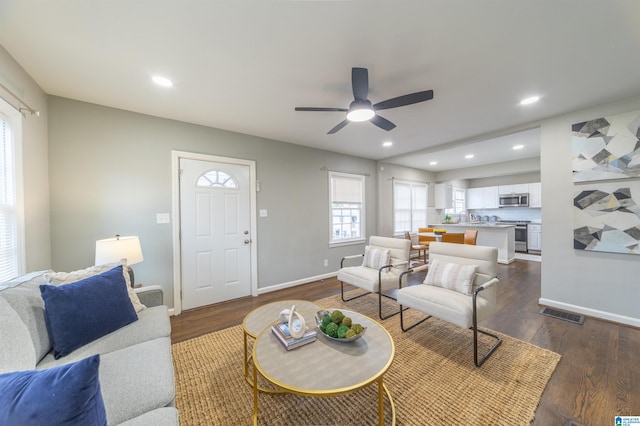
x=11 y=251
x=217 y=179
x=409 y=206
x=458 y=201
x=347 y=208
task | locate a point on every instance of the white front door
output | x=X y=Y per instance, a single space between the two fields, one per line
x=215 y=221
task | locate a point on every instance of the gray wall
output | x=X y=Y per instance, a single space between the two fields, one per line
x=504 y=172
x=35 y=162
x=506 y=180
x=594 y=283
x=111 y=173
x=386 y=173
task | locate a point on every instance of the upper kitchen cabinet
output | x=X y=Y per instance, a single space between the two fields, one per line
x=483 y=198
x=535 y=195
x=443 y=196
x=474 y=198
x=490 y=198
x=513 y=189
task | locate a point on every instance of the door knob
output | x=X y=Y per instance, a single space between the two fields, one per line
x=247 y=241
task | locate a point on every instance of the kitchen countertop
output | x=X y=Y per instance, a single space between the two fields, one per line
x=474 y=225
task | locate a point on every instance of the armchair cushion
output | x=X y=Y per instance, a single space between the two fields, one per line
x=453 y=276
x=367 y=278
x=450 y=306
x=375 y=258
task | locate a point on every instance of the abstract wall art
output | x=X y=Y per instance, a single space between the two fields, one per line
x=607 y=148
x=607 y=217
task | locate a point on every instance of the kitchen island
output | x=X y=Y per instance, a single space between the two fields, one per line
x=503 y=237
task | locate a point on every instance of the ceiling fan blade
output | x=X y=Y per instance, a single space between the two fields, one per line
x=383 y=123
x=320 y=109
x=338 y=127
x=360 y=83
x=412 y=98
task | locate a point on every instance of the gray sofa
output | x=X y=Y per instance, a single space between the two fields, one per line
x=136 y=368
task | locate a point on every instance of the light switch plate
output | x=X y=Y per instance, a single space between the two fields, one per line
x=263 y=212
x=162 y=218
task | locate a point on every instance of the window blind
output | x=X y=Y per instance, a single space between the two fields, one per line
x=8 y=222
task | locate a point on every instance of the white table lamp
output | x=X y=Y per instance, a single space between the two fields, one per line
x=115 y=249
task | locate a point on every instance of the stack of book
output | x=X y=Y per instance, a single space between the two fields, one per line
x=281 y=331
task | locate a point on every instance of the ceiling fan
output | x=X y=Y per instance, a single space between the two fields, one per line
x=361 y=108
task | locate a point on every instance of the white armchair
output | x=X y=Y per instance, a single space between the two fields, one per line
x=459 y=288
x=383 y=262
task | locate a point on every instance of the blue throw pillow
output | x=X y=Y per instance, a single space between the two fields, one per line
x=80 y=312
x=65 y=395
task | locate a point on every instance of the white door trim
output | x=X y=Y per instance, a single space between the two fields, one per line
x=175 y=207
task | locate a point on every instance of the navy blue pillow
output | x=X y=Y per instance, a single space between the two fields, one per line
x=65 y=395
x=80 y=312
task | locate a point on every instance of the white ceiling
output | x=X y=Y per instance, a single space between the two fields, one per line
x=243 y=65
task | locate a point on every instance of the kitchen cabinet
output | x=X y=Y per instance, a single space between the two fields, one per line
x=490 y=199
x=534 y=240
x=535 y=195
x=505 y=189
x=522 y=188
x=474 y=198
x=443 y=196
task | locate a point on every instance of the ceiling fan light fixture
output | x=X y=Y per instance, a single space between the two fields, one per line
x=360 y=114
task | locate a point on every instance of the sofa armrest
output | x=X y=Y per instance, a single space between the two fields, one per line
x=150 y=295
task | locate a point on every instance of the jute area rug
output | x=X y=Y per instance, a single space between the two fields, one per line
x=433 y=380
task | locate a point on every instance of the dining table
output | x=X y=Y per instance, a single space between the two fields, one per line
x=438 y=236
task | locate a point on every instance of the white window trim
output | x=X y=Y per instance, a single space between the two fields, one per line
x=13 y=116
x=347 y=241
x=400 y=232
x=452 y=210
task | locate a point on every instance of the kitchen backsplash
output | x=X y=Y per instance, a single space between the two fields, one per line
x=511 y=213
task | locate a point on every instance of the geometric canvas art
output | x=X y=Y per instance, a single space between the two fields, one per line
x=607 y=218
x=607 y=148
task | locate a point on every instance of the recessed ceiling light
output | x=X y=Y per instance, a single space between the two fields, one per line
x=433 y=163
x=387 y=144
x=468 y=156
x=162 y=81
x=531 y=100
x=518 y=146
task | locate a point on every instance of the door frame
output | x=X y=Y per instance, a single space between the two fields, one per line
x=177 y=220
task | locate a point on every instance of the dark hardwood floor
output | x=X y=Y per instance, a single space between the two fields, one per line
x=597 y=379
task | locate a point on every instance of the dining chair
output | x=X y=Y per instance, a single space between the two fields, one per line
x=420 y=248
x=423 y=239
x=470 y=236
x=453 y=237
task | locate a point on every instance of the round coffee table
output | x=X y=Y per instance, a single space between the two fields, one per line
x=262 y=317
x=357 y=364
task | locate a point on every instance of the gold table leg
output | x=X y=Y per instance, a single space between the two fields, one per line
x=255 y=395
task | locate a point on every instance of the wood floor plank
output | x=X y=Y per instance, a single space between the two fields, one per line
x=597 y=378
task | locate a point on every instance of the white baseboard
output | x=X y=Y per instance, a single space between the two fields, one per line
x=635 y=322
x=281 y=286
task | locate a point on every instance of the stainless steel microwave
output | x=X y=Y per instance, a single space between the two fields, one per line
x=514 y=200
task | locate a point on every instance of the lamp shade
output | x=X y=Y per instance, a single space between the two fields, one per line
x=114 y=249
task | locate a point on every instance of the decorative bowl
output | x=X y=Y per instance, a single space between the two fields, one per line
x=321 y=314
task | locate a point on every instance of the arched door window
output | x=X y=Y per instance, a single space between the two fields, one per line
x=217 y=179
